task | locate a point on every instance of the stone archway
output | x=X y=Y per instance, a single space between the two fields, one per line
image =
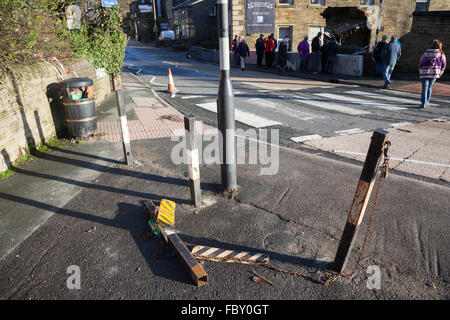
x=348 y=25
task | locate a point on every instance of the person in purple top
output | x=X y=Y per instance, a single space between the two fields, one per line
x=431 y=67
x=303 y=53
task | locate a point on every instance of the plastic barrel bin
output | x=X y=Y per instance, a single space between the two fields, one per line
x=79 y=106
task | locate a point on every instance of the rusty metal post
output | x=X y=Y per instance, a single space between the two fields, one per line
x=192 y=129
x=117 y=88
x=195 y=269
x=360 y=200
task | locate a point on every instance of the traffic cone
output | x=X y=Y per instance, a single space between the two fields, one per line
x=171 y=84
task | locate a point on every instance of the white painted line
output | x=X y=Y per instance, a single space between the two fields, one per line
x=349 y=131
x=362 y=102
x=330 y=106
x=285 y=110
x=242 y=116
x=385 y=97
x=306 y=138
x=191 y=97
x=400 y=124
x=158 y=84
x=398 y=159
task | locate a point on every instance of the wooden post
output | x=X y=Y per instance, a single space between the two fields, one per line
x=192 y=128
x=360 y=200
x=117 y=88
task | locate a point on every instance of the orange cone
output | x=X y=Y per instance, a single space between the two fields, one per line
x=171 y=84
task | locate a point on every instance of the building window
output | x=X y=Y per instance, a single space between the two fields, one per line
x=422 y=5
x=175 y=14
x=366 y=3
x=317 y=2
x=212 y=11
x=286 y=2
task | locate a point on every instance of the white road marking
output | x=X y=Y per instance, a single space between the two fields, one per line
x=191 y=97
x=288 y=111
x=398 y=159
x=306 y=138
x=330 y=106
x=158 y=84
x=384 y=97
x=242 y=116
x=349 y=131
x=400 y=124
x=362 y=102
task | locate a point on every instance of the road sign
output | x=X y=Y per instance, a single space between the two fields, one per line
x=109 y=3
x=166 y=214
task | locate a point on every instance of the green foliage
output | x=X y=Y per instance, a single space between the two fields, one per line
x=39 y=26
x=101 y=42
x=30 y=26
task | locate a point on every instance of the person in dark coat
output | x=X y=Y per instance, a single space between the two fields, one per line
x=376 y=54
x=244 y=51
x=275 y=47
x=331 y=55
x=315 y=54
x=260 y=47
x=282 y=54
x=390 y=55
x=324 y=55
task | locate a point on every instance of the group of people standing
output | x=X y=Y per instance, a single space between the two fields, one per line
x=265 y=49
x=321 y=57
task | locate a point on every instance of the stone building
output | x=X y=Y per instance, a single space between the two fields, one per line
x=353 y=22
x=195 y=20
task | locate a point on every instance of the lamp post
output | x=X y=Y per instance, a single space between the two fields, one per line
x=225 y=105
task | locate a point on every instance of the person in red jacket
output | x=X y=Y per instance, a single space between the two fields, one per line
x=268 y=51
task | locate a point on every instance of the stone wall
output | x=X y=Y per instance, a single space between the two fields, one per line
x=426 y=26
x=395 y=18
x=29 y=109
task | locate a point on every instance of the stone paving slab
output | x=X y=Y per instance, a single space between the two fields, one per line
x=416 y=148
x=438 y=88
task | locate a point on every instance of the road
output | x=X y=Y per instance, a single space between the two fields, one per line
x=334 y=118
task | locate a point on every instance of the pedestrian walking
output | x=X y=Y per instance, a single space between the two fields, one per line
x=234 y=48
x=332 y=49
x=376 y=55
x=303 y=53
x=260 y=47
x=324 y=55
x=268 y=51
x=282 y=55
x=390 y=55
x=431 y=67
x=243 y=51
x=315 y=54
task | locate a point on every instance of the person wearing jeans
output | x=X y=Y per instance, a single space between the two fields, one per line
x=390 y=55
x=431 y=67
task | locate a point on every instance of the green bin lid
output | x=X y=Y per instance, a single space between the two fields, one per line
x=77 y=82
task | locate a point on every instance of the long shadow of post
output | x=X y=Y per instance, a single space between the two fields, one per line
x=129 y=217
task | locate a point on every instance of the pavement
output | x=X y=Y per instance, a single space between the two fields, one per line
x=81 y=205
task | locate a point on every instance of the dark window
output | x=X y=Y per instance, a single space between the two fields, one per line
x=422 y=5
x=212 y=11
x=318 y=2
x=289 y=2
x=366 y=3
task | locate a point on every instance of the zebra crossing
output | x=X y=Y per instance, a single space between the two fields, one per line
x=306 y=111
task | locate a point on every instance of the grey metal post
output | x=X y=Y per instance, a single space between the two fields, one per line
x=193 y=128
x=225 y=105
x=117 y=87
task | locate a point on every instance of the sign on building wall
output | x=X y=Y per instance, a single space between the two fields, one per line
x=259 y=16
x=109 y=3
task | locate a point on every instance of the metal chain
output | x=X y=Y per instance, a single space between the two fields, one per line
x=334 y=276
